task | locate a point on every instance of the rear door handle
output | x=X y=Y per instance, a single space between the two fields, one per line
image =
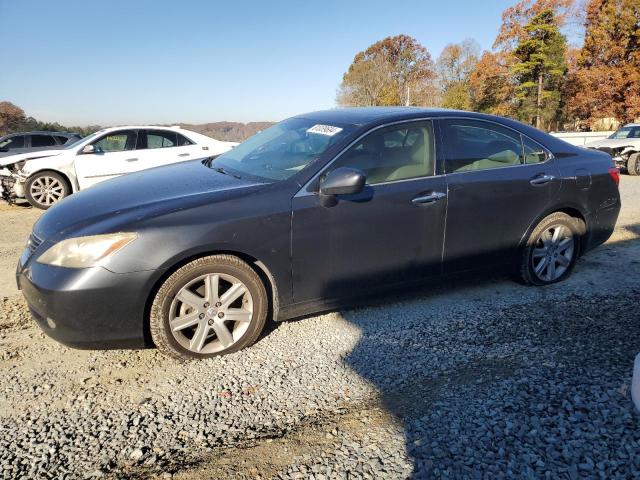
x=184 y=154
x=132 y=160
x=427 y=199
x=541 y=180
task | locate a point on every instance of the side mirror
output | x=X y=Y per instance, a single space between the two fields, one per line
x=341 y=181
x=88 y=149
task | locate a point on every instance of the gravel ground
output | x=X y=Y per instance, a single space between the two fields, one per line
x=470 y=378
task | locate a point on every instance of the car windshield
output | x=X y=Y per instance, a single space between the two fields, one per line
x=77 y=142
x=282 y=150
x=626 y=132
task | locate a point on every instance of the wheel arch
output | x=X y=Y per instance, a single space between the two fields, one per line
x=258 y=266
x=573 y=211
x=72 y=188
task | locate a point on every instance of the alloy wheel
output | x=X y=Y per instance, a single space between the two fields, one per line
x=553 y=253
x=211 y=313
x=46 y=190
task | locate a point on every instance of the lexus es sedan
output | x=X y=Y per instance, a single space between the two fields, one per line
x=306 y=216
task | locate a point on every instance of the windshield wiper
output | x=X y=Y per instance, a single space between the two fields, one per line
x=224 y=172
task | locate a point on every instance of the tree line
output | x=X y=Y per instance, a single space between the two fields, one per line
x=531 y=74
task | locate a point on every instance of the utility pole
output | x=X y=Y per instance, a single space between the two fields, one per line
x=539 y=102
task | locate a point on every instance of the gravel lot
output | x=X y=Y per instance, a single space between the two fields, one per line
x=472 y=378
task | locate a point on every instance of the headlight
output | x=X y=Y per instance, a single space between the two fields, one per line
x=83 y=252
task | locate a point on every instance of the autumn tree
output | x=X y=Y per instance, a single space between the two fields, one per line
x=394 y=71
x=11 y=117
x=491 y=85
x=454 y=66
x=608 y=71
x=539 y=69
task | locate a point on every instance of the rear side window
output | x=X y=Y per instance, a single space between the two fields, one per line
x=13 y=142
x=534 y=153
x=183 y=141
x=161 y=139
x=476 y=145
x=42 y=141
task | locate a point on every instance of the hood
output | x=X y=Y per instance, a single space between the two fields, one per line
x=18 y=157
x=613 y=142
x=138 y=196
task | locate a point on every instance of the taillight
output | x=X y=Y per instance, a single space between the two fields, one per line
x=615 y=174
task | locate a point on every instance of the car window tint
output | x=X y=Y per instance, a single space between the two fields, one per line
x=161 y=139
x=116 y=141
x=477 y=145
x=13 y=142
x=42 y=141
x=61 y=140
x=393 y=153
x=183 y=141
x=533 y=153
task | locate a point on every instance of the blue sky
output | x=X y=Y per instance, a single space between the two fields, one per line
x=127 y=61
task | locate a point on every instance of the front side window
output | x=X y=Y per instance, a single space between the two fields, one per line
x=116 y=142
x=42 y=141
x=161 y=139
x=393 y=153
x=476 y=145
x=62 y=140
x=282 y=150
x=12 y=142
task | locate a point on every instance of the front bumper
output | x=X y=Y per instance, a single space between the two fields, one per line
x=87 y=308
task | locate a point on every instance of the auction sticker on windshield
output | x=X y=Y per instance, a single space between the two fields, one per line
x=329 y=130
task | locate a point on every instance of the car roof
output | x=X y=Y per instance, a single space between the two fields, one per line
x=42 y=132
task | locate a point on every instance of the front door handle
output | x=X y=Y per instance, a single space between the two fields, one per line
x=428 y=199
x=132 y=160
x=184 y=154
x=542 y=179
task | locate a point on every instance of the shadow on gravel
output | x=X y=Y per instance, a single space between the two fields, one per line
x=499 y=388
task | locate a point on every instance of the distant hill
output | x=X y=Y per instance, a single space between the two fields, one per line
x=228 y=131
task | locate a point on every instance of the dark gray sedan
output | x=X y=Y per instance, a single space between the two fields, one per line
x=306 y=216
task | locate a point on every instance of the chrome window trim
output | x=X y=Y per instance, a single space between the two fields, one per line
x=303 y=191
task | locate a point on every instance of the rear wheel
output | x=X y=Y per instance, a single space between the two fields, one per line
x=551 y=250
x=211 y=306
x=633 y=164
x=44 y=189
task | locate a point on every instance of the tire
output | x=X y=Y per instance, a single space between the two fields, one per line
x=633 y=164
x=45 y=189
x=541 y=245
x=190 y=327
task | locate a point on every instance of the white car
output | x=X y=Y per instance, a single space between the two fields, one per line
x=47 y=176
x=624 y=147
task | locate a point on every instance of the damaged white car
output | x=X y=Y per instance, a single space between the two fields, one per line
x=47 y=176
x=623 y=146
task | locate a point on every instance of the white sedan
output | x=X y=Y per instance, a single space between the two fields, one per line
x=46 y=177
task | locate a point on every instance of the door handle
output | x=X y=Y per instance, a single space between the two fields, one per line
x=541 y=180
x=184 y=154
x=427 y=199
x=132 y=160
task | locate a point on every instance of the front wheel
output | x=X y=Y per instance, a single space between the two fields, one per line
x=211 y=306
x=44 y=189
x=552 y=250
x=633 y=164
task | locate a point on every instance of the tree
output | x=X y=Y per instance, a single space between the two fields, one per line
x=394 y=71
x=11 y=117
x=455 y=64
x=491 y=85
x=539 y=69
x=515 y=18
x=608 y=71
